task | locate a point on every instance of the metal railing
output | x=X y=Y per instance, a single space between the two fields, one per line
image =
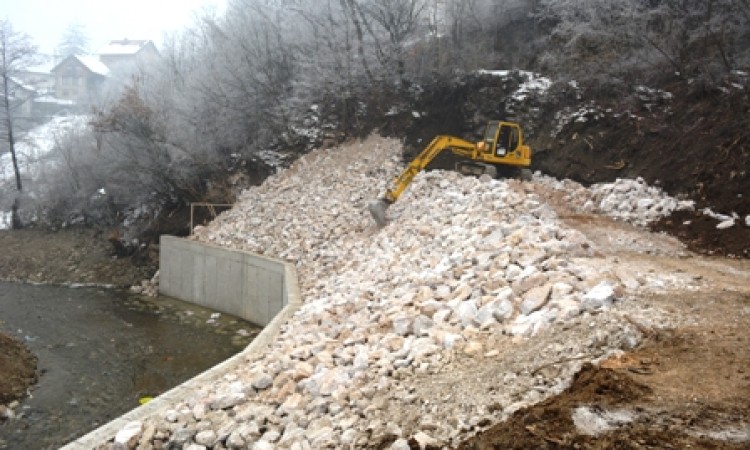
x=211 y=209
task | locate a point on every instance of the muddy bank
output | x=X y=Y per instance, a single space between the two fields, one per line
x=74 y=255
x=17 y=371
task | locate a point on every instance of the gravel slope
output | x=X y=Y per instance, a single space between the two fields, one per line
x=475 y=280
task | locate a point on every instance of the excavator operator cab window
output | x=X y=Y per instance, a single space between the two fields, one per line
x=490 y=136
x=507 y=141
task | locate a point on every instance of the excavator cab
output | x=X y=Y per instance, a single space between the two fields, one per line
x=500 y=138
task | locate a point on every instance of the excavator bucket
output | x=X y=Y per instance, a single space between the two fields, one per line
x=377 y=209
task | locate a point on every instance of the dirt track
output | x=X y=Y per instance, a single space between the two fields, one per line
x=687 y=386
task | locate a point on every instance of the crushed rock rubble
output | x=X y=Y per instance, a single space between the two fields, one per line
x=468 y=267
x=149 y=288
x=628 y=200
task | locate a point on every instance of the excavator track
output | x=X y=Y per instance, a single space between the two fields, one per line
x=476 y=169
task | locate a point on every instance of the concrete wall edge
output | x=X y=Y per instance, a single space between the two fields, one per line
x=169 y=399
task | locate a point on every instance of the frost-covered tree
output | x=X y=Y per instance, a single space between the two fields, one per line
x=74 y=41
x=17 y=52
x=393 y=23
x=483 y=33
x=697 y=37
x=626 y=39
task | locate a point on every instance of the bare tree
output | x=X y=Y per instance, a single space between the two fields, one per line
x=16 y=53
x=399 y=20
x=619 y=39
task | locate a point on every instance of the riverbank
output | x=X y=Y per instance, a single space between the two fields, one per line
x=65 y=257
x=102 y=350
x=17 y=373
x=69 y=256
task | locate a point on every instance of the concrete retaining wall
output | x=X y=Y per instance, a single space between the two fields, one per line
x=239 y=283
x=221 y=277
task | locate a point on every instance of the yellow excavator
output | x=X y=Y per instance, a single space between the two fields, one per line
x=502 y=145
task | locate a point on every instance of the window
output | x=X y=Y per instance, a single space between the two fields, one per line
x=513 y=139
x=490 y=134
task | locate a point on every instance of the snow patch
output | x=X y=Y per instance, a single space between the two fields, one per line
x=534 y=83
x=37 y=144
x=271 y=158
x=593 y=421
x=5 y=220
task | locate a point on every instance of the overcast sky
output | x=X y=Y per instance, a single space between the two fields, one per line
x=103 y=20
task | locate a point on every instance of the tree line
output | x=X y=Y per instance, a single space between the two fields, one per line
x=271 y=77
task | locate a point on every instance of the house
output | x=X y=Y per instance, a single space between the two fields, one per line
x=79 y=78
x=126 y=55
x=37 y=86
x=39 y=76
x=20 y=97
x=33 y=103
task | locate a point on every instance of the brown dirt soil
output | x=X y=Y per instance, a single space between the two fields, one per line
x=695 y=146
x=687 y=389
x=73 y=255
x=684 y=387
x=18 y=369
x=699 y=233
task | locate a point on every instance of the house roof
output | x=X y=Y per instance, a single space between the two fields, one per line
x=45 y=64
x=123 y=47
x=19 y=83
x=92 y=63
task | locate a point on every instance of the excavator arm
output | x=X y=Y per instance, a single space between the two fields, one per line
x=440 y=143
x=401 y=182
x=502 y=145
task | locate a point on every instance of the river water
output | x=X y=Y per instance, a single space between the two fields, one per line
x=100 y=351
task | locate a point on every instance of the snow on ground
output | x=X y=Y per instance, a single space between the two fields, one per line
x=31 y=151
x=472 y=267
x=534 y=83
x=36 y=144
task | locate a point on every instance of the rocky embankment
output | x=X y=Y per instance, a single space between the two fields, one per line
x=475 y=301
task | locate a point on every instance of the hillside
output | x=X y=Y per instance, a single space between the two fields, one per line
x=682 y=136
x=481 y=298
x=601 y=304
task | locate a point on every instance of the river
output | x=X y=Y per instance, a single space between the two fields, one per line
x=101 y=350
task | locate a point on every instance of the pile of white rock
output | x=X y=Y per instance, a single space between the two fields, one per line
x=725 y=221
x=632 y=201
x=464 y=262
x=149 y=288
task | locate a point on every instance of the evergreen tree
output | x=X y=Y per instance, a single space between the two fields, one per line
x=74 y=41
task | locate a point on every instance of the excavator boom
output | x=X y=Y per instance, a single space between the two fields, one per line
x=440 y=143
x=502 y=144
